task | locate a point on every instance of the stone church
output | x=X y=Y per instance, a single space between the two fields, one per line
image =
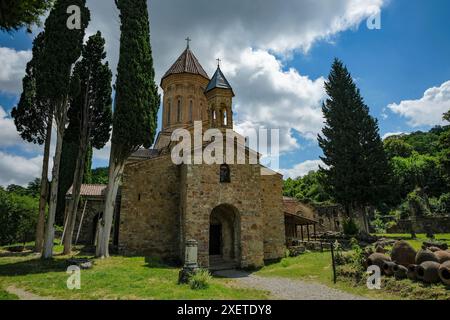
x=234 y=212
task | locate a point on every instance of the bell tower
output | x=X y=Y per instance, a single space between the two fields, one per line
x=219 y=95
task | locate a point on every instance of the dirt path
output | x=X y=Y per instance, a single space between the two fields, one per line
x=287 y=289
x=25 y=295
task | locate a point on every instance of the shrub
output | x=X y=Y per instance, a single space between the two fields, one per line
x=18 y=216
x=350 y=227
x=200 y=280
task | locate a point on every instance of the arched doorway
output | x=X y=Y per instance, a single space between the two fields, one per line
x=224 y=234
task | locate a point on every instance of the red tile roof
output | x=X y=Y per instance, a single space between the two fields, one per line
x=90 y=190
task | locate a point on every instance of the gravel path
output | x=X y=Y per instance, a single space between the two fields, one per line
x=287 y=289
x=25 y=295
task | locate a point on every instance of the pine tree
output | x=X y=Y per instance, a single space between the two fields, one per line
x=136 y=104
x=33 y=118
x=90 y=103
x=357 y=172
x=61 y=50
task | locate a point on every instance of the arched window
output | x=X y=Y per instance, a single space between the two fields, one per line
x=225 y=118
x=179 y=115
x=214 y=115
x=190 y=111
x=225 y=173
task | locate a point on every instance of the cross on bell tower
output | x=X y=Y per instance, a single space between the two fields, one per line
x=218 y=62
x=187 y=41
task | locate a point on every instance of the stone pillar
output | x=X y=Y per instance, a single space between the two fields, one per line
x=190 y=261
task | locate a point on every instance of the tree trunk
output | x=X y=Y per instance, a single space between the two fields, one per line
x=115 y=175
x=50 y=228
x=73 y=205
x=40 y=227
x=79 y=173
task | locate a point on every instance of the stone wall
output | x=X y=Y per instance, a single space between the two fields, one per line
x=149 y=218
x=202 y=192
x=272 y=206
x=423 y=225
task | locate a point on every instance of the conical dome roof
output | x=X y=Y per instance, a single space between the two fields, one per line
x=218 y=81
x=186 y=63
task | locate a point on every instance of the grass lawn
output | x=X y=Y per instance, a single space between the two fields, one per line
x=113 y=278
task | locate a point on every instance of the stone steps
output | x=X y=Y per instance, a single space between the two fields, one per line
x=217 y=263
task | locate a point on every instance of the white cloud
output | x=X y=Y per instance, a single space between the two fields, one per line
x=18 y=170
x=8 y=132
x=428 y=110
x=301 y=169
x=390 y=134
x=12 y=69
x=254 y=39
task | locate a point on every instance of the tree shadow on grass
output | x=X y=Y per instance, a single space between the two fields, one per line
x=33 y=266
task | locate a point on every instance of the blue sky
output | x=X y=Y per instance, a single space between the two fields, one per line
x=393 y=67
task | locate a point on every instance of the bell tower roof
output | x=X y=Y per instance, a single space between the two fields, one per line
x=186 y=63
x=218 y=81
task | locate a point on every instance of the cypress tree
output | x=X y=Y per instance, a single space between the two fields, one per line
x=136 y=104
x=23 y=13
x=69 y=154
x=33 y=118
x=90 y=103
x=357 y=172
x=61 y=50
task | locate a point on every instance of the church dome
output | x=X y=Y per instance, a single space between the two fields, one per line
x=218 y=81
x=186 y=63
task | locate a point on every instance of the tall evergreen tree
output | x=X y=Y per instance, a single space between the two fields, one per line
x=23 y=13
x=357 y=172
x=136 y=104
x=61 y=50
x=90 y=103
x=33 y=118
x=71 y=144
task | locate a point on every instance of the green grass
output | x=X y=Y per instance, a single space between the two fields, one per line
x=113 y=278
x=4 y=295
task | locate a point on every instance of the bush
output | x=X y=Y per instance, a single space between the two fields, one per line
x=18 y=217
x=200 y=280
x=350 y=227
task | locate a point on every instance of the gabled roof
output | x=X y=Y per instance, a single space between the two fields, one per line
x=186 y=63
x=218 y=81
x=90 y=190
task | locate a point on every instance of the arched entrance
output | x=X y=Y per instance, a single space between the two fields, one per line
x=224 y=235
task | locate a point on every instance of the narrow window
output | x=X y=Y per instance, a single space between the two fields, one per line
x=225 y=173
x=190 y=111
x=169 y=111
x=225 y=118
x=179 y=111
